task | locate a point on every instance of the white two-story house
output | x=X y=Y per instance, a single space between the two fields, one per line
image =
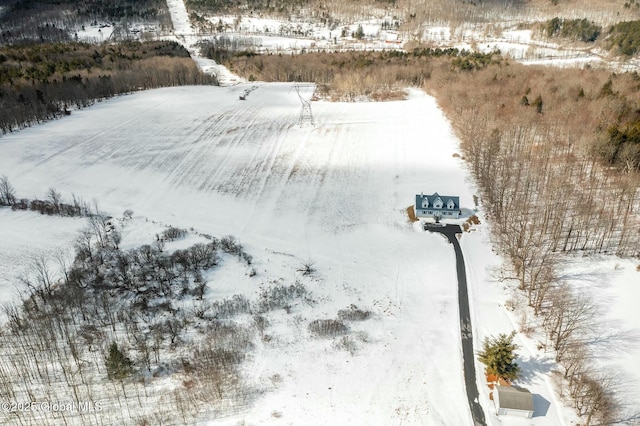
x=437 y=206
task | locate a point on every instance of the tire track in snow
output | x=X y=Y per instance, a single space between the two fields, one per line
x=238 y=184
x=87 y=147
x=272 y=179
x=312 y=177
x=335 y=180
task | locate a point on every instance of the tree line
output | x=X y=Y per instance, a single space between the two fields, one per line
x=53 y=204
x=413 y=15
x=350 y=75
x=44 y=81
x=550 y=186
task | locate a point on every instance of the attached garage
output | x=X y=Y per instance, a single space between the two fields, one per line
x=513 y=401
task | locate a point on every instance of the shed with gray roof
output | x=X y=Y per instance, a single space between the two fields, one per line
x=513 y=401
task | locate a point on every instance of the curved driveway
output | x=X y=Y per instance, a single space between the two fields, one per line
x=468 y=359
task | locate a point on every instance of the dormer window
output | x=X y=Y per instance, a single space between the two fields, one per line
x=451 y=205
x=425 y=203
x=437 y=203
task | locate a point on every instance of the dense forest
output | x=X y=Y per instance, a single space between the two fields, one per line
x=622 y=38
x=575 y=29
x=43 y=81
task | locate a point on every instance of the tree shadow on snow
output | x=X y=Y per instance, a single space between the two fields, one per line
x=611 y=336
x=533 y=366
x=588 y=280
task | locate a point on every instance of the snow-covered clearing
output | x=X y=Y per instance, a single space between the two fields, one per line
x=333 y=195
x=94 y=33
x=25 y=236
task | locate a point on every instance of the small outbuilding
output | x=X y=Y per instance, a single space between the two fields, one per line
x=513 y=401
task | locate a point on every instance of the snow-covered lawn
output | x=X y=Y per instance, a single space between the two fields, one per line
x=333 y=195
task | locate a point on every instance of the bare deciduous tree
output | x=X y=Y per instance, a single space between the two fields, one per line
x=7 y=192
x=593 y=398
x=54 y=197
x=569 y=319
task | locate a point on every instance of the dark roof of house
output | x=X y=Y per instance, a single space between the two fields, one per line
x=515 y=398
x=432 y=198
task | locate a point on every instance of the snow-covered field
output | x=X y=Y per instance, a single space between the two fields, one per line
x=27 y=236
x=332 y=194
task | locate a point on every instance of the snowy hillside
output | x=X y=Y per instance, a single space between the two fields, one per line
x=322 y=206
x=332 y=195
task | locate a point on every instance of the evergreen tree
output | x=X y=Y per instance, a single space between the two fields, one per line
x=537 y=102
x=607 y=89
x=499 y=356
x=119 y=366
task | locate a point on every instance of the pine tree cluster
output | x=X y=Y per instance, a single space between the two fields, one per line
x=498 y=354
